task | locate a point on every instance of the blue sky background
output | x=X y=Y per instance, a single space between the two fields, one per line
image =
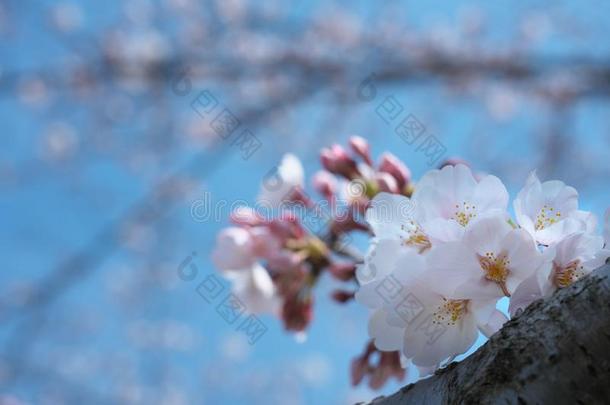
x=131 y=328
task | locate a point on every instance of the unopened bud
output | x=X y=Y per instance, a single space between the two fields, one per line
x=246 y=216
x=361 y=147
x=386 y=182
x=297 y=312
x=337 y=161
x=325 y=184
x=392 y=165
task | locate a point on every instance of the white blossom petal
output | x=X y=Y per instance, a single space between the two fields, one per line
x=233 y=250
x=494 y=323
x=385 y=336
x=428 y=343
x=526 y=293
x=573 y=257
x=280 y=185
x=549 y=210
x=453 y=194
x=452 y=263
x=490 y=245
x=378 y=264
x=256 y=290
x=490 y=194
x=388 y=213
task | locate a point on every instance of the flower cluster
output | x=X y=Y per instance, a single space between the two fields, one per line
x=292 y=260
x=274 y=261
x=434 y=277
x=444 y=251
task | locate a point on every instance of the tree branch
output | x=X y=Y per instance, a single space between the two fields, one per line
x=556 y=352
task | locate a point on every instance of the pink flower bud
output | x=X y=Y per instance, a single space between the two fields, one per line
x=246 y=216
x=327 y=159
x=392 y=165
x=283 y=260
x=287 y=226
x=265 y=242
x=297 y=312
x=325 y=184
x=387 y=183
x=289 y=281
x=346 y=221
x=361 y=147
x=337 y=161
x=299 y=196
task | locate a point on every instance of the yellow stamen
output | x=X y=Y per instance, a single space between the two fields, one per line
x=417 y=237
x=465 y=213
x=546 y=218
x=496 y=269
x=450 y=312
x=564 y=276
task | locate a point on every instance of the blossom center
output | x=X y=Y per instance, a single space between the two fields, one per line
x=496 y=268
x=417 y=238
x=450 y=311
x=464 y=213
x=564 y=276
x=546 y=217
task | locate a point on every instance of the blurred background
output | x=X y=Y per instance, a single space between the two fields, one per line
x=109 y=148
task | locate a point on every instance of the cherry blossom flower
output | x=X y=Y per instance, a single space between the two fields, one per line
x=444 y=251
x=572 y=258
x=426 y=324
x=575 y=256
x=236 y=254
x=491 y=260
x=443 y=205
x=445 y=327
x=393 y=216
x=549 y=210
x=450 y=198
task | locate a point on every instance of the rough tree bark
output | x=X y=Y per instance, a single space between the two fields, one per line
x=556 y=352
